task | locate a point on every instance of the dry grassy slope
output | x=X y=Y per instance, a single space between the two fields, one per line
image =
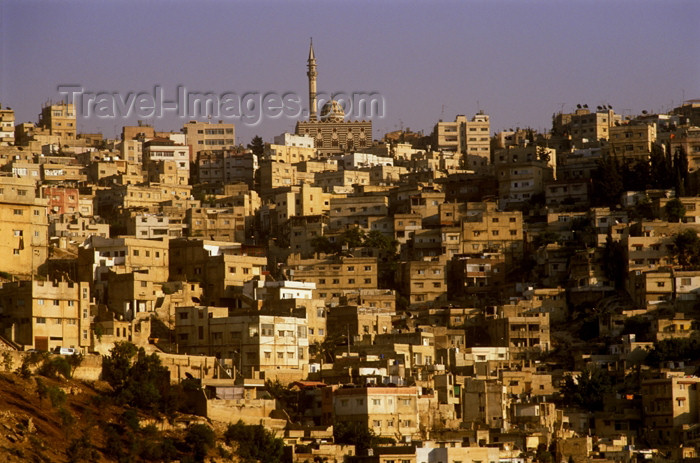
x=32 y=430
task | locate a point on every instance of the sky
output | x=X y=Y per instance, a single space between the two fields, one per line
x=518 y=61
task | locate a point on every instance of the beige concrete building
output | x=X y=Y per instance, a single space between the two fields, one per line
x=290 y=154
x=207 y=136
x=388 y=411
x=334 y=275
x=632 y=141
x=7 y=126
x=256 y=345
x=219 y=223
x=59 y=120
x=341 y=181
x=98 y=256
x=43 y=315
x=24 y=234
x=424 y=281
x=485 y=402
x=523 y=332
x=490 y=230
x=222 y=267
x=588 y=127
x=357 y=211
x=468 y=138
x=159 y=150
x=670 y=404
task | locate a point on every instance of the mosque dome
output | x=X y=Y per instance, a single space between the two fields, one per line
x=333 y=112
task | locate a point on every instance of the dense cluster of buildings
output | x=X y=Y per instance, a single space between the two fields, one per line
x=441 y=292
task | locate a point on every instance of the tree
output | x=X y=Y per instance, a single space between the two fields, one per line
x=257 y=146
x=661 y=170
x=200 y=438
x=614 y=261
x=354 y=433
x=588 y=389
x=545 y=238
x=116 y=366
x=607 y=183
x=686 y=249
x=139 y=379
x=255 y=443
x=680 y=171
x=675 y=210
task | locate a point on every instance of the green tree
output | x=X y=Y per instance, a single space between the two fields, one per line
x=675 y=210
x=357 y=434
x=116 y=366
x=200 y=438
x=257 y=146
x=588 y=389
x=545 y=238
x=614 y=261
x=323 y=245
x=673 y=350
x=680 y=171
x=661 y=170
x=255 y=443
x=139 y=379
x=686 y=249
x=607 y=183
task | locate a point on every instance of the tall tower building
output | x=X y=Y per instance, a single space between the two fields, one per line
x=311 y=73
x=332 y=134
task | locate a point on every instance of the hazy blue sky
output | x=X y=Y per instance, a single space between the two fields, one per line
x=519 y=61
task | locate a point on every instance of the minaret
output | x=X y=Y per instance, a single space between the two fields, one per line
x=311 y=73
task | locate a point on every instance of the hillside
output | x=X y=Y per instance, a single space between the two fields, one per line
x=69 y=421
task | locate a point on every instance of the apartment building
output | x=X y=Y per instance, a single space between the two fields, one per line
x=424 y=281
x=485 y=402
x=523 y=172
x=202 y=136
x=520 y=332
x=59 y=120
x=76 y=227
x=7 y=126
x=469 y=138
x=98 y=256
x=146 y=225
x=670 y=404
x=357 y=211
x=478 y=274
x=24 y=234
x=221 y=266
x=334 y=275
x=632 y=141
x=302 y=230
x=159 y=150
x=43 y=315
x=585 y=126
x=359 y=320
x=490 y=230
x=341 y=181
x=290 y=154
x=226 y=166
x=219 y=223
x=256 y=345
x=387 y=411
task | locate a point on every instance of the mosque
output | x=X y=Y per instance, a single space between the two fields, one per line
x=332 y=134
